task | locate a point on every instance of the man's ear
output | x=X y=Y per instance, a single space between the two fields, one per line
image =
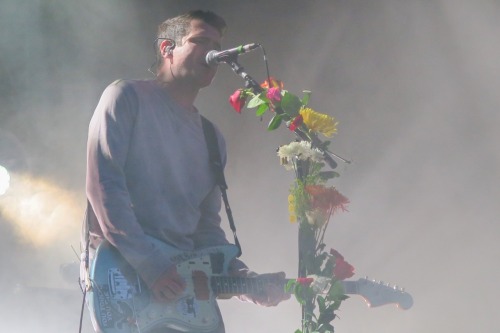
x=167 y=47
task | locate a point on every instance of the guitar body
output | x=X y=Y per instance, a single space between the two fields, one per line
x=120 y=302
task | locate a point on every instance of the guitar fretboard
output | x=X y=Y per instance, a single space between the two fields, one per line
x=237 y=285
x=241 y=285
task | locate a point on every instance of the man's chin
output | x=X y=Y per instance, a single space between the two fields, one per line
x=205 y=82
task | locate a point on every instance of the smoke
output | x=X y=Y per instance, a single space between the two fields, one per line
x=414 y=86
x=41 y=213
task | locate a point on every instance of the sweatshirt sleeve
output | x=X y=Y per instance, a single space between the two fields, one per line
x=110 y=132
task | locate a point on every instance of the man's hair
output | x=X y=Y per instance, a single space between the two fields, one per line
x=177 y=27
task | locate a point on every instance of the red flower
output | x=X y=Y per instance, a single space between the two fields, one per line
x=342 y=269
x=274 y=94
x=305 y=281
x=296 y=123
x=274 y=83
x=238 y=100
x=336 y=254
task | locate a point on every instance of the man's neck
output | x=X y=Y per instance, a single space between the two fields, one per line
x=183 y=95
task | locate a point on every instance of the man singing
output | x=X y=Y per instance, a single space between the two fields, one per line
x=148 y=170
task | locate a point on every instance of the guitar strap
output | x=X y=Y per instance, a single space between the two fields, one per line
x=217 y=169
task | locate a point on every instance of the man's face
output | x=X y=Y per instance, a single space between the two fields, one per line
x=188 y=59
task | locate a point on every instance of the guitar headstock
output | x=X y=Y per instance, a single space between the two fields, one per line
x=377 y=293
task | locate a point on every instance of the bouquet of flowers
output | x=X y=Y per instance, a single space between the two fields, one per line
x=311 y=202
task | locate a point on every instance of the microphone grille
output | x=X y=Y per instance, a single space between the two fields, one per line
x=211 y=57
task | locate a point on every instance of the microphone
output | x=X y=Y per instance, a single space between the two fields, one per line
x=216 y=57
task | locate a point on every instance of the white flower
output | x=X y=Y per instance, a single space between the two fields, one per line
x=316 y=217
x=320 y=284
x=301 y=150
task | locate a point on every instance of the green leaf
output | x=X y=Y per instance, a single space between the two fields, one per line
x=336 y=305
x=261 y=110
x=275 y=122
x=328 y=267
x=325 y=175
x=299 y=294
x=336 y=291
x=290 y=286
x=327 y=328
x=291 y=104
x=307 y=96
x=326 y=317
x=321 y=303
x=257 y=100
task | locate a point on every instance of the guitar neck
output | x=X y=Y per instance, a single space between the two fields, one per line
x=350 y=287
x=224 y=285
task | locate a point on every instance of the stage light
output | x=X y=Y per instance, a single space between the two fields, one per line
x=40 y=210
x=4 y=180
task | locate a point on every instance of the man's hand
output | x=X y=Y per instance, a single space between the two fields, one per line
x=273 y=289
x=169 y=286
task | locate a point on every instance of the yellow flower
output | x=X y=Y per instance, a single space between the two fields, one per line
x=319 y=122
x=291 y=208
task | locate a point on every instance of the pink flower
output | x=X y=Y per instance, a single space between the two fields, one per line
x=238 y=100
x=305 y=281
x=342 y=269
x=274 y=94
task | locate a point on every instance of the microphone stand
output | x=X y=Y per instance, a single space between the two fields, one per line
x=250 y=83
x=306 y=248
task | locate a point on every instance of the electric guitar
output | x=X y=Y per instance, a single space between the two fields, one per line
x=120 y=302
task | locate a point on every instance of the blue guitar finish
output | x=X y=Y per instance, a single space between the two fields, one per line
x=120 y=301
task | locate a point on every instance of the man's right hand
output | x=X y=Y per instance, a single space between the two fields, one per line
x=169 y=286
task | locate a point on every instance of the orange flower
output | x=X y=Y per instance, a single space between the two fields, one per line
x=274 y=83
x=326 y=198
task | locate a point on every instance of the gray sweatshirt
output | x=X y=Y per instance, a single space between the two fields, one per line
x=148 y=174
